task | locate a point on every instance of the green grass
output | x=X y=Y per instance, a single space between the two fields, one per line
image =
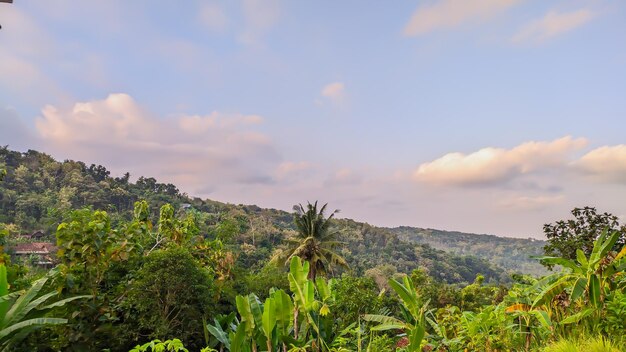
x=586 y=344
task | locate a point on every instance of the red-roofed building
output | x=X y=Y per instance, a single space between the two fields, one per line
x=45 y=252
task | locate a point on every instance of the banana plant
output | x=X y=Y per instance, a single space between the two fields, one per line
x=251 y=312
x=25 y=311
x=277 y=319
x=262 y=325
x=304 y=298
x=4 y=290
x=444 y=339
x=222 y=324
x=268 y=321
x=300 y=285
x=527 y=315
x=283 y=312
x=280 y=322
x=487 y=329
x=587 y=279
x=415 y=329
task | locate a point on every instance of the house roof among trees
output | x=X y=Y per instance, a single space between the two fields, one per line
x=34 y=248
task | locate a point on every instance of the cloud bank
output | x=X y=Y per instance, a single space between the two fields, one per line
x=224 y=156
x=553 y=24
x=606 y=163
x=191 y=150
x=445 y=14
x=489 y=166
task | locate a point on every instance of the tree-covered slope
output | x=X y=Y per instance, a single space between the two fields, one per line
x=509 y=253
x=38 y=191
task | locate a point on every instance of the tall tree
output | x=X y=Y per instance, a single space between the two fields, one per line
x=565 y=237
x=315 y=241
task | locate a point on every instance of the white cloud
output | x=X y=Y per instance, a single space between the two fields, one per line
x=193 y=151
x=334 y=91
x=224 y=157
x=453 y=13
x=344 y=177
x=489 y=166
x=290 y=169
x=526 y=203
x=553 y=24
x=213 y=17
x=606 y=163
x=260 y=17
x=116 y=118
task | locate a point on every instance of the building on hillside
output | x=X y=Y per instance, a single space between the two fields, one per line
x=38 y=253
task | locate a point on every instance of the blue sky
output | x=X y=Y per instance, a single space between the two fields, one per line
x=359 y=104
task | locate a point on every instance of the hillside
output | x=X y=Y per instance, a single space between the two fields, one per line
x=509 y=253
x=39 y=191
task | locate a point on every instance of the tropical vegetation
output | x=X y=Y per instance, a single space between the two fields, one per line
x=140 y=266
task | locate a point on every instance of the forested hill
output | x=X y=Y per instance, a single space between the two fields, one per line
x=509 y=253
x=38 y=192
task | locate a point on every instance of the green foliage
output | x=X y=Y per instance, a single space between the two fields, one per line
x=415 y=326
x=174 y=345
x=532 y=322
x=315 y=241
x=478 y=295
x=88 y=246
x=201 y=258
x=510 y=254
x=586 y=279
x=262 y=281
x=4 y=290
x=486 y=329
x=25 y=311
x=441 y=294
x=169 y=295
x=368 y=248
x=38 y=192
x=565 y=237
x=381 y=343
x=593 y=344
x=355 y=296
x=226 y=230
x=304 y=323
x=614 y=322
x=218 y=331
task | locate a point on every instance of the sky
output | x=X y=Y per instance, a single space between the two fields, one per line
x=484 y=116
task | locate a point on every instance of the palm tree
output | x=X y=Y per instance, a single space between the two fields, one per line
x=315 y=241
